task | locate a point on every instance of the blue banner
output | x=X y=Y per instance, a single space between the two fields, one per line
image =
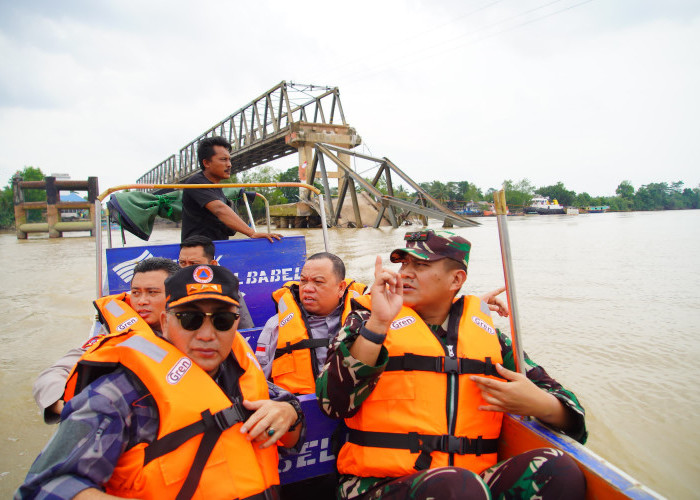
x=262 y=267
x=316 y=457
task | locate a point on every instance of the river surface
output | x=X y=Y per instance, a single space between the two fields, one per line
x=608 y=304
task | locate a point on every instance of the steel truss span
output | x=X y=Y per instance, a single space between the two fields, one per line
x=258 y=131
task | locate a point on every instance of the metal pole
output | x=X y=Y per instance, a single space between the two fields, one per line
x=109 y=229
x=267 y=211
x=98 y=244
x=499 y=198
x=323 y=222
x=250 y=214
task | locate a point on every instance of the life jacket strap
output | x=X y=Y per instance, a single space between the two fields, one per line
x=221 y=420
x=302 y=344
x=211 y=435
x=424 y=443
x=441 y=364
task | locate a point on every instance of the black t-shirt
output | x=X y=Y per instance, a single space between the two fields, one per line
x=196 y=219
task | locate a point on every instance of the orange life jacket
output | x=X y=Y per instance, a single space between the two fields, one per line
x=294 y=367
x=423 y=411
x=117 y=315
x=227 y=465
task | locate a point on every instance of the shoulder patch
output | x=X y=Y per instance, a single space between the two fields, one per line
x=91 y=341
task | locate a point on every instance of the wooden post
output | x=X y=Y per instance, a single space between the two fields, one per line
x=355 y=204
x=305 y=159
x=92 y=192
x=20 y=212
x=52 y=215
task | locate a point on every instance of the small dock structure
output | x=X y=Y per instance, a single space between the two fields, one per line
x=53 y=205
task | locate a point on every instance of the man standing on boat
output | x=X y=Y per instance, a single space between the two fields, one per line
x=422 y=380
x=208 y=212
x=138 y=309
x=186 y=415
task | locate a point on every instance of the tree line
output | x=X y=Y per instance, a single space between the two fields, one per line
x=653 y=196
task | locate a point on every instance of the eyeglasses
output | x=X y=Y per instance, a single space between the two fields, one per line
x=192 y=320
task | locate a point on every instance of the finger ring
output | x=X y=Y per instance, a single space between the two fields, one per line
x=270 y=431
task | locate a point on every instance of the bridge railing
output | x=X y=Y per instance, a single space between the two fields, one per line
x=266 y=117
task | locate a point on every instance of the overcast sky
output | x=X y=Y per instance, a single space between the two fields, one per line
x=587 y=92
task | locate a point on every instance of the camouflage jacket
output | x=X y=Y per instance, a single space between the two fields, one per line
x=345 y=383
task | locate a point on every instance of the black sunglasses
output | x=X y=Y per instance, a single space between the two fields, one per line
x=192 y=320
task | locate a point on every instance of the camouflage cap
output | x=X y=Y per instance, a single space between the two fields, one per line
x=434 y=245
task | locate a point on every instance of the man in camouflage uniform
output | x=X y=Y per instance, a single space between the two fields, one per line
x=433 y=269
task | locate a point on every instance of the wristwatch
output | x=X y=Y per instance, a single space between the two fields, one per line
x=376 y=338
x=300 y=414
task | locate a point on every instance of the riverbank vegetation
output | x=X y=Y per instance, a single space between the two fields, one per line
x=7 y=207
x=653 y=196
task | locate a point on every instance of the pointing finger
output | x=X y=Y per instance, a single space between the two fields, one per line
x=377 y=266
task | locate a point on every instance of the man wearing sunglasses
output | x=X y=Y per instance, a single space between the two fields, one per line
x=186 y=414
x=146 y=299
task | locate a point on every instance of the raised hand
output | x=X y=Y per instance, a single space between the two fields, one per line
x=387 y=297
x=495 y=303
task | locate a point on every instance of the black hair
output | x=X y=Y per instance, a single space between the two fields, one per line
x=200 y=241
x=338 y=265
x=453 y=265
x=205 y=148
x=157 y=264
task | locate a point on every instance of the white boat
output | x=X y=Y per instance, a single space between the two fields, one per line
x=541 y=205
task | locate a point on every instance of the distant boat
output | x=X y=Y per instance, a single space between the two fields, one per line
x=471 y=209
x=541 y=205
x=601 y=209
x=571 y=211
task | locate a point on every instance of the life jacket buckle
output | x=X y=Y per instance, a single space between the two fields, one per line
x=453 y=444
x=228 y=417
x=451 y=365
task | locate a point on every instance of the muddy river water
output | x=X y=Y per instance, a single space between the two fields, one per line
x=609 y=306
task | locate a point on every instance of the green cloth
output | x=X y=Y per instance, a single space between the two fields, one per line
x=136 y=210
